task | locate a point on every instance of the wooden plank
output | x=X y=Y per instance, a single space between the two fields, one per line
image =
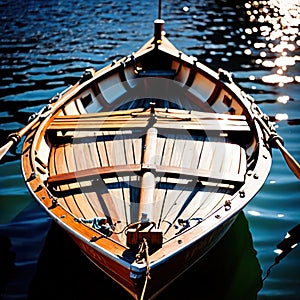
x=108 y=205
x=129 y=152
x=209 y=126
x=196 y=155
x=231 y=158
x=96 y=159
x=112 y=148
x=228 y=158
x=104 y=114
x=168 y=142
x=137 y=150
x=196 y=114
x=204 y=203
x=126 y=199
x=205 y=122
x=221 y=152
x=87 y=199
x=118 y=163
x=160 y=202
x=201 y=174
x=62 y=166
x=90 y=117
x=102 y=152
x=170 y=198
x=134 y=194
x=87 y=174
x=171 y=119
x=139 y=114
x=117 y=209
x=204 y=125
x=187 y=153
x=168 y=149
x=177 y=153
x=69 y=158
x=243 y=162
x=51 y=163
x=57 y=160
x=119 y=151
x=88 y=205
x=207 y=155
x=83 y=125
x=84 y=160
x=175 y=199
x=160 y=144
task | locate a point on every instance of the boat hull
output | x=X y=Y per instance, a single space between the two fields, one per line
x=171 y=168
x=162 y=277
x=160 y=274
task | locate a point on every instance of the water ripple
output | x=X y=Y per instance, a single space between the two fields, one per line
x=46 y=45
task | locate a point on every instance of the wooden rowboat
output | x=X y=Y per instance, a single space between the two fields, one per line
x=147 y=162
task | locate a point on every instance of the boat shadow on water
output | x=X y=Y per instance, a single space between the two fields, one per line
x=230 y=271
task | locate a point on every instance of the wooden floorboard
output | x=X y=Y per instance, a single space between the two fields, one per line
x=69 y=201
x=204 y=202
x=117 y=194
x=129 y=150
x=175 y=199
x=89 y=208
x=137 y=150
x=102 y=153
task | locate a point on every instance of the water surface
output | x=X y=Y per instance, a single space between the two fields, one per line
x=45 y=47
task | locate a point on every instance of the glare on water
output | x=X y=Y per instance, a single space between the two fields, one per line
x=275 y=23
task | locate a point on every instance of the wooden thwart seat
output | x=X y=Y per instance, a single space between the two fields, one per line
x=213 y=160
x=201 y=175
x=167 y=171
x=159 y=120
x=65 y=178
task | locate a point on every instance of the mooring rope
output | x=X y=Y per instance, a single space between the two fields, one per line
x=144 y=248
x=137 y=226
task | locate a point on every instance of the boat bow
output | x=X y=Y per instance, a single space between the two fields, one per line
x=147 y=162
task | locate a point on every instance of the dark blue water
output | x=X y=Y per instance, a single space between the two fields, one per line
x=46 y=45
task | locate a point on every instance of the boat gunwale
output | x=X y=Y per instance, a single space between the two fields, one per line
x=167 y=243
x=70 y=95
x=192 y=235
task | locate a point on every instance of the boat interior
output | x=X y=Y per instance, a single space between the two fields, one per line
x=159 y=147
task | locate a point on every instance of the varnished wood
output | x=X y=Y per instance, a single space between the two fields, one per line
x=223 y=124
x=150 y=148
x=147 y=195
x=87 y=174
x=201 y=174
x=187 y=164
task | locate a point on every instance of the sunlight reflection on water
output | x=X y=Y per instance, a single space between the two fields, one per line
x=276 y=25
x=45 y=47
